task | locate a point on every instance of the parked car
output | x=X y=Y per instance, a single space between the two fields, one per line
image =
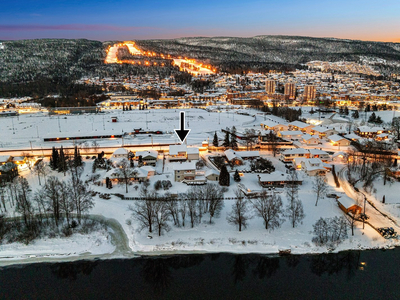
x=332 y=196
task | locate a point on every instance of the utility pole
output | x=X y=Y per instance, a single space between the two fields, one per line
x=12 y=120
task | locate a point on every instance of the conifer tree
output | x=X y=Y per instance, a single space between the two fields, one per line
x=233 y=142
x=226 y=142
x=215 y=140
x=236 y=177
x=224 y=178
x=54 y=159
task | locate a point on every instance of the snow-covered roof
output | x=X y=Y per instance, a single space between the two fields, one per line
x=291 y=132
x=315 y=151
x=175 y=149
x=343 y=154
x=336 y=138
x=370 y=129
x=211 y=172
x=121 y=151
x=295 y=151
x=231 y=154
x=274 y=176
x=313 y=164
x=352 y=136
x=192 y=150
x=184 y=166
x=246 y=154
x=4 y=158
x=321 y=129
x=299 y=124
x=152 y=153
x=308 y=137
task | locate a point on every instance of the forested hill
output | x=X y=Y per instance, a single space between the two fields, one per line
x=290 y=50
x=61 y=59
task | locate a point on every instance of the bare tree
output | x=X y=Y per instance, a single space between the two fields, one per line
x=41 y=169
x=144 y=210
x=295 y=212
x=214 y=195
x=251 y=138
x=240 y=212
x=172 y=206
x=66 y=201
x=161 y=216
x=319 y=186
x=23 y=202
x=269 y=207
x=51 y=192
x=125 y=172
x=291 y=187
x=183 y=207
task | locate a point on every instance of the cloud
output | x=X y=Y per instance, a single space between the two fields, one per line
x=73 y=27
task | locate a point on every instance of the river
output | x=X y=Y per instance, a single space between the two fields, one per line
x=372 y=274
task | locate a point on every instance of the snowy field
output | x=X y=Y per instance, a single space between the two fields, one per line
x=22 y=131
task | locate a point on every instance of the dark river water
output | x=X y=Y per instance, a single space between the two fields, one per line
x=371 y=274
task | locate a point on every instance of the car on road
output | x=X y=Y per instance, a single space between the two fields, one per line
x=332 y=196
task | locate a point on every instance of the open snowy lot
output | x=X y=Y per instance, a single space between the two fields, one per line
x=22 y=131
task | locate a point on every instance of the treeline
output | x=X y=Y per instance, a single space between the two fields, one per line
x=155 y=212
x=56 y=209
x=289 y=114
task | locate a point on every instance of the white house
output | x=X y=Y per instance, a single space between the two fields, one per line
x=313 y=166
x=121 y=153
x=337 y=140
x=291 y=154
x=294 y=135
x=149 y=157
x=182 y=153
x=298 y=125
x=310 y=139
x=322 y=131
x=318 y=153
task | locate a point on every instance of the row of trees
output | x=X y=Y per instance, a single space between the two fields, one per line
x=154 y=212
x=57 y=200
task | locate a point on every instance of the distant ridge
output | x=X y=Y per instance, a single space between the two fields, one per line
x=27 y=60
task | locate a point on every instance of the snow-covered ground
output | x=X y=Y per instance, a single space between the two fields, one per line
x=220 y=236
x=25 y=130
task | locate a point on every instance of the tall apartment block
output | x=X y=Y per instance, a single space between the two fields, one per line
x=309 y=92
x=290 y=90
x=270 y=86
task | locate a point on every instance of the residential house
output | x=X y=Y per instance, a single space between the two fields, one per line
x=291 y=154
x=149 y=157
x=212 y=175
x=301 y=126
x=186 y=172
x=275 y=179
x=321 y=154
x=313 y=166
x=340 y=157
x=294 y=135
x=347 y=204
x=233 y=157
x=183 y=153
x=322 y=131
x=338 y=140
x=121 y=153
x=369 y=132
x=310 y=139
x=274 y=125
